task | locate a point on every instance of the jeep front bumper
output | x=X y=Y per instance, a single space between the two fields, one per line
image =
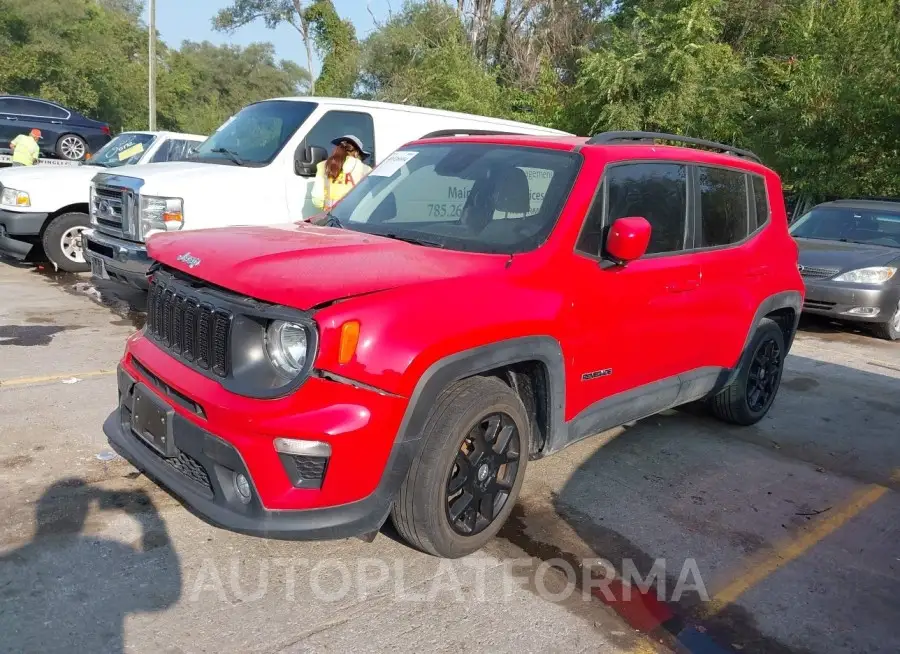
x=211 y=443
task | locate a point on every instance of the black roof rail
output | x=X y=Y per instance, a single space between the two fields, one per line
x=610 y=138
x=466 y=132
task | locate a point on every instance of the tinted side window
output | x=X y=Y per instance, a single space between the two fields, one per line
x=341 y=123
x=761 y=200
x=655 y=191
x=724 y=211
x=17 y=106
x=41 y=109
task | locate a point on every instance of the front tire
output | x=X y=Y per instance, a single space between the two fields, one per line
x=464 y=482
x=889 y=330
x=750 y=396
x=62 y=241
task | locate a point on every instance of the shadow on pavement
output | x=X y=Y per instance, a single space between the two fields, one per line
x=68 y=591
x=685 y=486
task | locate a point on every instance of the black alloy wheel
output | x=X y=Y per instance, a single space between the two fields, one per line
x=764 y=375
x=482 y=474
x=751 y=393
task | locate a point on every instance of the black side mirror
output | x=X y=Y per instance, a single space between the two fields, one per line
x=307 y=158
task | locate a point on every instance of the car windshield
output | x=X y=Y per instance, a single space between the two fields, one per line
x=475 y=197
x=123 y=150
x=256 y=134
x=850 y=225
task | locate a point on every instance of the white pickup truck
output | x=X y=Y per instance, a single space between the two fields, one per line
x=258 y=168
x=47 y=206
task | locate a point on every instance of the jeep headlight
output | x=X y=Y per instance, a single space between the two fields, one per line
x=287 y=344
x=160 y=215
x=14 y=198
x=874 y=275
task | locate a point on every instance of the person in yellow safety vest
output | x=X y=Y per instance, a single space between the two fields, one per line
x=339 y=173
x=25 y=148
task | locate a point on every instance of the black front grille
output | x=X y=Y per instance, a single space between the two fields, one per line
x=310 y=468
x=191 y=468
x=811 y=272
x=192 y=330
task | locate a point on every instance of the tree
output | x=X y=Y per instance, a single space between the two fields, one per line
x=273 y=13
x=828 y=107
x=335 y=40
x=667 y=70
x=422 y=56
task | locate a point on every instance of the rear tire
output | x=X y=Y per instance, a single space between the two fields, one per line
x=62 y=241
x=889 y=330
x=71 y=147
x=750 y=396
x=471 y=465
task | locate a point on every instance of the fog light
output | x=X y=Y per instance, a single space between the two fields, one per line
x=302 y=447
x=863 y=311
x=242 y=486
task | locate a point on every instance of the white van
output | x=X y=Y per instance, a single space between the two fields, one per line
x=47 y=205
x=258 y=168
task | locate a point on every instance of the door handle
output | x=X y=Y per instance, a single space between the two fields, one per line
x=56 y=122
x=757 y=271
x=683 y=286
x=11 y=118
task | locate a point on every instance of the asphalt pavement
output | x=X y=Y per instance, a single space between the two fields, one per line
x=780 y=537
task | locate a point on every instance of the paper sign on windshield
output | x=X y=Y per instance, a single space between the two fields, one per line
x=127 y=153
x=392 y=163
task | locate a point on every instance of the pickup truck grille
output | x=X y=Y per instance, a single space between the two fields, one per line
x=191 y=330
x=112 y=210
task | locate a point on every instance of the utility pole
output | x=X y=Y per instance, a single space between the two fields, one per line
x=152 y=66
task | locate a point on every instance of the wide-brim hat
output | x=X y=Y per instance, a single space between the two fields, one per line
x=356 y=141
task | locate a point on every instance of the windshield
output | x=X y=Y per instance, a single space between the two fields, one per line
x=123 y=150
x=851 y=225
x=256 y=134
x=464 y=196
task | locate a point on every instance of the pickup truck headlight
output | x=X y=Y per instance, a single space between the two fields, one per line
x=14 y=198
x=161 y=214
x=874 y=275
x=287 y=344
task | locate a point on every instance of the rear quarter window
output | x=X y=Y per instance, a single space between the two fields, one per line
x=724 y=206
x=761 y=201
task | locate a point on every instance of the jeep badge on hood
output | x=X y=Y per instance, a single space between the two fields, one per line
x=188 y=259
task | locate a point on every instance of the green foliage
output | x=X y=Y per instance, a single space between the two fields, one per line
x=666 y=71
x=828 y=107
x=422 y=57
x=335 y=40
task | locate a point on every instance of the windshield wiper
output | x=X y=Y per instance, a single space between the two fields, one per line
x=411 y=239
x=330 y=220
x=231 y=155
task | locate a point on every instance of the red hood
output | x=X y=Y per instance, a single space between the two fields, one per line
x=303 y=265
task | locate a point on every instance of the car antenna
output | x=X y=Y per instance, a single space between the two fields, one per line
x=508 y=261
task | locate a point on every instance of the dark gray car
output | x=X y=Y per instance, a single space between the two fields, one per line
x=849 y=258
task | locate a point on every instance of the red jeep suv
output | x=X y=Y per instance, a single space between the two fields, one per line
x=474 y=303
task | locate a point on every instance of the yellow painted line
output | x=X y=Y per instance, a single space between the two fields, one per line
x=644 y=647
x=761 y=567
x=26 y=381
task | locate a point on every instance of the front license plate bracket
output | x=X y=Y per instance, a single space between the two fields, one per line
x=151 y=421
